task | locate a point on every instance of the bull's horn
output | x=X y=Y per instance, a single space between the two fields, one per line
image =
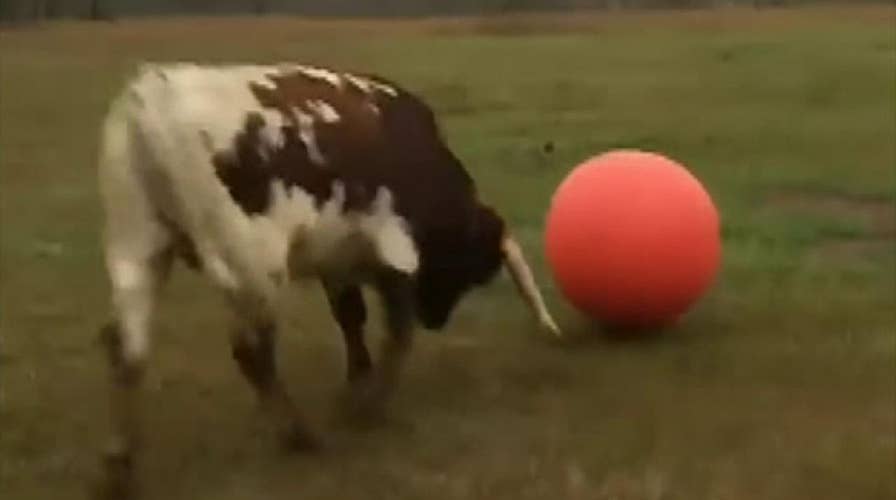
x=525 y=284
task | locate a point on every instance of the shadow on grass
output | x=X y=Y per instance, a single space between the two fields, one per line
x=589 y=333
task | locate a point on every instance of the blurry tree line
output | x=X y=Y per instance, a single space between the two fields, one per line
x=32 y=10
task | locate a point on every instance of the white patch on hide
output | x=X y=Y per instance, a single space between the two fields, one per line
x=220 y=273
x=321 y=74
x=272 y=139
x=308 y=136
x=368 y=86
x=125 y=275
x=267 y=83
x=389 y=233
x=324 y=110
x=331 y=241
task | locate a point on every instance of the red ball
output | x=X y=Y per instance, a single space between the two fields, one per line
x=632 y=239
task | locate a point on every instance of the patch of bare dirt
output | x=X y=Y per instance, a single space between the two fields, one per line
x=878 y=215
x=853 y=249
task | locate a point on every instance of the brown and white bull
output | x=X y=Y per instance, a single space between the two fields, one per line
x=262 y=175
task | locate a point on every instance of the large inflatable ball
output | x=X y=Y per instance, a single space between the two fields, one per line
x=632 y=239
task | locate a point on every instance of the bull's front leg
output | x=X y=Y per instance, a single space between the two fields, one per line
x=397 y=294
x=347 y=305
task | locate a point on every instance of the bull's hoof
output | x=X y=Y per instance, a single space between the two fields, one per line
x=364 y=403
x=117 y=481
x=297 y=438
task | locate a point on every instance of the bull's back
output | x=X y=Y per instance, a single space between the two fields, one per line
x=210 y=148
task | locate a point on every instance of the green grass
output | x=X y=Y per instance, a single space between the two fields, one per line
x=781 y=383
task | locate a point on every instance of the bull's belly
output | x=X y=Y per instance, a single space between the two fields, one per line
x=350 y=256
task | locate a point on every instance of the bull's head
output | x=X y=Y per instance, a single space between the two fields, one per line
x=454 y=266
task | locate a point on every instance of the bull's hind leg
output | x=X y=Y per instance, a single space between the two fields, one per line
x=138 y=257
x=136 y=278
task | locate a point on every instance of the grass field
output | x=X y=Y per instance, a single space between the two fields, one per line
x=781 y=384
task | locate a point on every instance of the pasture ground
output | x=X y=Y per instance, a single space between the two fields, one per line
x=780 y=385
